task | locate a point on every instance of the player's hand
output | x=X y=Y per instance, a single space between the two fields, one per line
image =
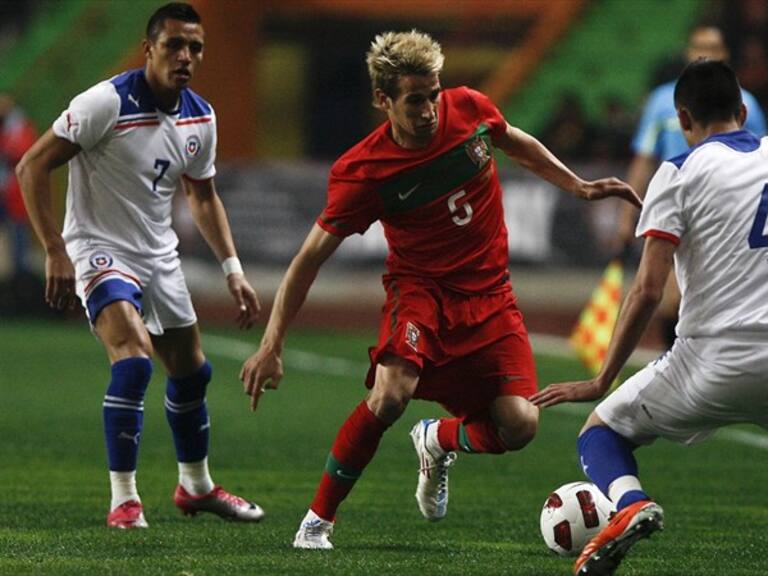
x=262 y=370
x=555 y=394
x=247 y=301
x=59 y=281
x=607 y=187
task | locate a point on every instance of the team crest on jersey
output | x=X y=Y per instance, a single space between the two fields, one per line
x=100 y=260
x=477 y=150
x=192 y=147
x=412 y=336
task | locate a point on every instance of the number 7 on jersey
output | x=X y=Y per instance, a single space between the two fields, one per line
x=162 y=166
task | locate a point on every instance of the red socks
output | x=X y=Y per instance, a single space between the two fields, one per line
x=355 y=444
x=475 y=434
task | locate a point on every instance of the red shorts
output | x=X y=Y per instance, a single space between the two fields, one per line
x=469 y=349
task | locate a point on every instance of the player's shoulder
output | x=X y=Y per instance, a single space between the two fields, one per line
x=194 y=106
x=359 y=162
x=718 y=147
x=465 y=98
x=134 y=94
x=100 y=96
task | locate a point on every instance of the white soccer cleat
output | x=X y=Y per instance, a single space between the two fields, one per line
x=432 y=489
x=313 y=533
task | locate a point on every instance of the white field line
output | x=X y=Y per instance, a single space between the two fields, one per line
x=304 y=361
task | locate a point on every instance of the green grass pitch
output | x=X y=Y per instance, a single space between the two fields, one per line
x=54 y=486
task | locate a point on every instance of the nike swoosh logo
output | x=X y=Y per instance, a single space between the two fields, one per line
x=407 y=193
x=341 y=474
x=133 y=99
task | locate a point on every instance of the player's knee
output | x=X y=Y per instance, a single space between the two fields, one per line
x=516 y=419
x=388 y=403
x=130 y=345
x=393 y=389
x=516 y=435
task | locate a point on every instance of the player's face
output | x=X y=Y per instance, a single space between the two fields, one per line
x=414 y=112
x=173 y=58
x=706 y=43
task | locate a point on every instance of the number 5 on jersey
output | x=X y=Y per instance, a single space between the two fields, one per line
x=161 y=167
x=459 y=220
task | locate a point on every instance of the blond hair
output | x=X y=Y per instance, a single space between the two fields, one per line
x=396 y=54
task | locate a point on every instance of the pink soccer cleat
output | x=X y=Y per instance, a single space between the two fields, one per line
x=129 y=514
x=220 y=502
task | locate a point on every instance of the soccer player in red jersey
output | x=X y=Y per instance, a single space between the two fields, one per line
x=450 y=330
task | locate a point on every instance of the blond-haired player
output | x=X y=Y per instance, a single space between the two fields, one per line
x=450 y=330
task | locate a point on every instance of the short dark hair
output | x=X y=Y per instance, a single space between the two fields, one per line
x=709 y=90
x=173 y=11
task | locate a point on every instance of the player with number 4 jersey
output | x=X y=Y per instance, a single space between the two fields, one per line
x=131 y=142
x=450 y=330
x=706 y=211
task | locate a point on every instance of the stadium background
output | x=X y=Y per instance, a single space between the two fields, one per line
x=289 y=85
x=290 y=88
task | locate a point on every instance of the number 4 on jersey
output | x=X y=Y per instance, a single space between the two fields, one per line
x=757 y=236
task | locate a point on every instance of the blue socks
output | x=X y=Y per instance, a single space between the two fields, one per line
x=606 y=456
x=123 y=411
x=187 y=414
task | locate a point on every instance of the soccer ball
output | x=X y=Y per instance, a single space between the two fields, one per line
x=572 y=515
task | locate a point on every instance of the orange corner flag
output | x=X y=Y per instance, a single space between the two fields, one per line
x=592 y=334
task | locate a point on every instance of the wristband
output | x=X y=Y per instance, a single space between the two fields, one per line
x=232 y=265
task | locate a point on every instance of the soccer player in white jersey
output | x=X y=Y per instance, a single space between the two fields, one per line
x=130 y=141
x=706 y=210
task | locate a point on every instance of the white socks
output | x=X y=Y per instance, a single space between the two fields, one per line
x=195 y=478
x=621 y=486
x=123 y=488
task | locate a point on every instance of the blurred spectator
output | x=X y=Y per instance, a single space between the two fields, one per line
x=744 y=26
x=17 y=134
x=569 y=135
x=614 y=132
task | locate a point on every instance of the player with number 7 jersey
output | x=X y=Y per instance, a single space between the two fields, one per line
x=131 y=142
x=133 y=156
x=450 y=329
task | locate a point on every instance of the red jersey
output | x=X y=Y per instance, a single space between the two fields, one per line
x=440 y=206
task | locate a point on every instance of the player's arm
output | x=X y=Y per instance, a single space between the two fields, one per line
x=534 y=156
x=34 y=175
x=211 y=219
x=264 y=368
x=641 y=302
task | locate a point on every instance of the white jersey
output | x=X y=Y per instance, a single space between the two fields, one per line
x=713 y=202
x=122 y=183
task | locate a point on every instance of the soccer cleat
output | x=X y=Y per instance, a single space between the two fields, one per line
x=129 y=514
x=313 y=533
x=220 y=502
x=432 y=489
x=603 y=554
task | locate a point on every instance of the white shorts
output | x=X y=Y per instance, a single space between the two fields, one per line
x=156 y=287
x=699 y=386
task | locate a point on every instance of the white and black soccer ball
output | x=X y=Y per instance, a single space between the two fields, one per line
x=572 y=515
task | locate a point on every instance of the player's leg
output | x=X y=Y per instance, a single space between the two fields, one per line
x=607 y=458
x=355 y=445
x=489 y=392
x=187 y=413
x=129 y=349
